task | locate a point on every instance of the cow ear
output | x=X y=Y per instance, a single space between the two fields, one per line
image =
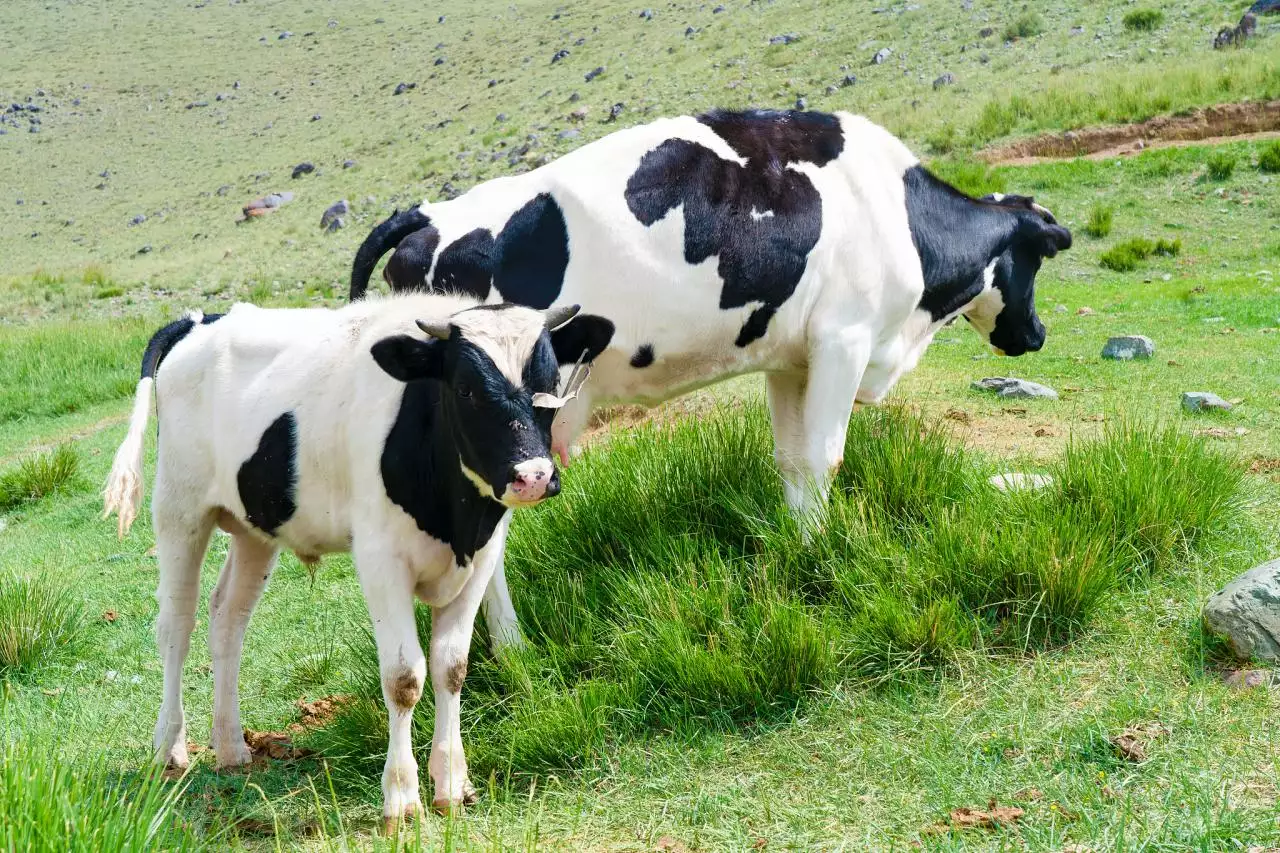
x=1053 y=239
x=587 y=333
x=409 y=359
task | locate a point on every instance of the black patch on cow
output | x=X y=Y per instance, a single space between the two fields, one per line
x=768 y=137
x=268 y=479
x=411 y=261
x=466 y=265
x=585 y=332
x=761 y=220
x=166 y=338
x=532 y=254
x=643 y=356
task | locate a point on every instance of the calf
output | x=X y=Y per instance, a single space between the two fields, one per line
x=814 y=248
x=267 y=428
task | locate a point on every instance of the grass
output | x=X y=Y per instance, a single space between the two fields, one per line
x=49 y=805
x=1128 y=256
x=1098 y=225
x=40 y=621
x=1269 y=157
x=39 y=476
x=1220 y=165
x=1025 y=26
x=1143 y=20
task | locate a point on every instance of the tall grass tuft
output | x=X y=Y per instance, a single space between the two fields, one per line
x=1143 y=20
x=1220 y=165
x=1127 y=256
x=50 y=805
x=1269 y=157
x=668 y=590
x=39 y=476
x=40 y=621
x=1025 y=26
x=1100 y=220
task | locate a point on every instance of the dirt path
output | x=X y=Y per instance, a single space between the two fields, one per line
x=1225 y=122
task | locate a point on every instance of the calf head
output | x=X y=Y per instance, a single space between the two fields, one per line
x=498 y=372
x=1005 y=311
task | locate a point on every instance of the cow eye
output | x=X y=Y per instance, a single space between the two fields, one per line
x=464 y=390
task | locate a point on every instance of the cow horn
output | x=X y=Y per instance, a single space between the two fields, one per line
x=439 y=331
x=1044 y=212
x=557 y=317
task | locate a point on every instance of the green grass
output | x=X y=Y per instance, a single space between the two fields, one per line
x=1025 y=26
x=1143 y=20
x=41 y=621
x=39 y=476
x=1269 y=157
x=1128 y=256
x=1220 y=166
x=1099 y=222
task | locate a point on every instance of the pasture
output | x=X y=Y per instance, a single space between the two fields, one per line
x=944 y=665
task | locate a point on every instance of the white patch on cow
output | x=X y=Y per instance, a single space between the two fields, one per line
x=997 y=197
x=538 y=471
x=756 y=215
x=481 y=484
x=986 y=307
x=506 y=336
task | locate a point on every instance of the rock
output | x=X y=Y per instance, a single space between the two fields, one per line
x=849 y=80
x=945 y=80
x=1204 y=401
x=580 y=114
x=347 y=164
x=881 y=55
x=223 y=190
x=501 y=117
x=717 y=10
x=1008 y=387
x=560 y=54
x=571 y=133
x=194 y=104
x=303 y=168
x=831 y=90
x=1084 y=311
x=1077 y=31
x=316 y=117
x=1247 y=679
x=785 y=38
x=1060 y=308
x=690 y=31
x=1246 y=612
x=266 y=204
x=439 y=61
x=284 y=35
x=335 y=224
x=1017 y=481
x=615 y=111
x=574 y=98
x=145 y=250
x=1237 y=35
x=334 y=211
x=1126 y=347
x=401 y=88
x=440 y=20
x=986 y=32
x=647 y=14
x=492 y=83
x=594 y=73
x=139 y=219
x=449 y=192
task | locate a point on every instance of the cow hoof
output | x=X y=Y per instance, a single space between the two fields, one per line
x=237 y=755
x=445 y=807
x=391 y=823
x=174 y=758
x=469 y=795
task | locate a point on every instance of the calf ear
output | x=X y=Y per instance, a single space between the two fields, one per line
x=409 y=359
x=1053 y=239
x=585 y=332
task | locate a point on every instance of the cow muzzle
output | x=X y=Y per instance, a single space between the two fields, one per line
x=531 y=482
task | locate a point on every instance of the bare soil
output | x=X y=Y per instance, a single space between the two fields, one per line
x=1259 y=120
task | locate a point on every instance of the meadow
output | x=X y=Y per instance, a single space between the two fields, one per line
x=944 y=666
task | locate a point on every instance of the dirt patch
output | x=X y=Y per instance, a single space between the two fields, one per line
x=1206 y=125
x=320 y=712
x=992 y=817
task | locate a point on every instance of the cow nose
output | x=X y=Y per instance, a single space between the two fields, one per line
x=533 y=480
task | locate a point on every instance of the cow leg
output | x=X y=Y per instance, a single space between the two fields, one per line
x=499 y=613
x=451 y=629
x=389 y=593
x=786 y=410
x=837 y=361
x=181 y=541
x=244 y=575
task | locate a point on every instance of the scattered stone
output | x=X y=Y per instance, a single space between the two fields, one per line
x=571 y=133
x=594 y=73
x=145 y=250
x=316 y=117
x=574 y=98
x=1247 y=679
x=1246 y=612
x=1204 y=401
x=560 y=54
x=1237 y=35
x=690 y=31
x=785 y=38
x=580 y=114
x=1007 y=387
x=958 y=415
x=449 y=192
x=139 y=219
x=986 y=32
x=266 y=204
x=440 y=20
x=1077 y=31
x=945 y=80
x=881 y=56
x=501 y=117
x=347 y=164
x=401 y=88
x=615 y=111
x=831 y=90
x=849 y=80
x=801 y=103
x=717 y=10
x=1016 y=481
x=439 y=61
x=334 y=213
x=1060 y=308
x=303 y=168
x=284 y=35
x=1085 y=311
x=223 y=190
x=647 y=14
x=1126 y=347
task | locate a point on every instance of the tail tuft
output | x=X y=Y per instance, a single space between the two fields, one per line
x=123 y=491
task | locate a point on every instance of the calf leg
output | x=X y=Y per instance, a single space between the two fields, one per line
x=786 y=410
x=389 y=593
x=181 y=541
x=244 y=575
x=499 y=613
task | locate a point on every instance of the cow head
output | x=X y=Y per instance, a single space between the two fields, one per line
x=498 y=372
x=1005 y=311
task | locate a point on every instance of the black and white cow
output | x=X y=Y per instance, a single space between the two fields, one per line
x=266 y=428
x=812 y=247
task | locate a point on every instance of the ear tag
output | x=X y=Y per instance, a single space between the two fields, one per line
x=577 y=377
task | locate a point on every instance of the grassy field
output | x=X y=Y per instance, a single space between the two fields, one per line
x=700 y=678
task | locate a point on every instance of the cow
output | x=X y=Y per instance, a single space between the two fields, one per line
x=328 y=431
x=812 y=247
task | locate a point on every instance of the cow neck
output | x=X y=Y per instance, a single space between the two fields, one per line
x=956 y=238
x=422 y=474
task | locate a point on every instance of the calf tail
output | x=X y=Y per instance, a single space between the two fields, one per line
x=383 y=237
x=123 y=491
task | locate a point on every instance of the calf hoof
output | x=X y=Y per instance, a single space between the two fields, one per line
x=234 y=755
x=175 y=757
x=391 y=823
x=445 y=806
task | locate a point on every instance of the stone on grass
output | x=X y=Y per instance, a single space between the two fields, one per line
x=334 y=213
x=881 y=55
x=1204 y=401
x=303 y=169
x=1008 y=387
x=1126 y=347
x=1246 y=612
x=1247 y=679
x=945 y=80
x=1016 y=481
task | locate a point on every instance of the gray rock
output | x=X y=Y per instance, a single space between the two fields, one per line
x=347 y=164
x=1204 y=401
x=831 y=90
x=717 y=10
x=785 y=38
x=401 y=88
x=1008 y=387
x=881 y=56
x=801 y=103
x=145 y=250
x=194 y=104
x=945 y=80
x=986 y=32
x=647 y=14
x=849 y=80
x=316 y=117
x=303 y=168
x=333 y=212
x=139 y=219
x=594 y=73
x=571 y=133
x=1126 y=347
x=439 y=60
x=223 y=190
x=560 y=54
x=1246 y=612
x=615 y=111
x=690 y=31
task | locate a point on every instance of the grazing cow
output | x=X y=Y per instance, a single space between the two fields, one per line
x=268 y=417
x=812 y=247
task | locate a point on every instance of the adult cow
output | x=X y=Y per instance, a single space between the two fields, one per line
x=268 y=417
x=812 y=247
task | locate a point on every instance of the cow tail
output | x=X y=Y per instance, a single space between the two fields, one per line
x=123 y=491
x=383 y=237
